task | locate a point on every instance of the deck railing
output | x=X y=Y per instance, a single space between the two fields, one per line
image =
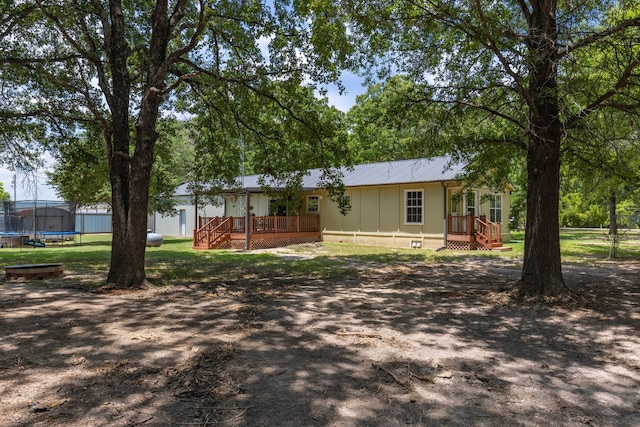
x=461 y=225
x=488 y=230
x=284 y=224
x=265 y=224
x=468 y=225
x=212 y=231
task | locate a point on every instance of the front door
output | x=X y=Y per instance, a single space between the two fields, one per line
x=183 y=222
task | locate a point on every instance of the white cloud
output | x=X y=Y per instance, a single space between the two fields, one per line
x=353 y=86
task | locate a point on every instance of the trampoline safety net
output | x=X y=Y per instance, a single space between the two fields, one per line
x=38 y=218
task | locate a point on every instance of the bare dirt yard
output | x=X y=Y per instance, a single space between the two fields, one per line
x=389 y=345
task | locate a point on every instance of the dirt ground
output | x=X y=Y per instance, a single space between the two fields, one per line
x=391 y=345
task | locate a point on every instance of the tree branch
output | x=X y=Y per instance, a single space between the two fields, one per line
x=491 y=45
x=90 y=56
x=525 y=10
x=600 y=101
x=18 y=18
x=635 y=22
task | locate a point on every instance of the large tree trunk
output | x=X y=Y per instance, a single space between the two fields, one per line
x=542 y=269
x=132 y=273
x=118 y=146
x=131 y=186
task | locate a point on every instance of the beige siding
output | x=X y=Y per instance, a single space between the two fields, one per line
x=370 y=209
x=391 y=214
x=351 y=221
x=378 y=216
x=382 y=210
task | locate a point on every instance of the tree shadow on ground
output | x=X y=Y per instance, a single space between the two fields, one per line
x=386 y=344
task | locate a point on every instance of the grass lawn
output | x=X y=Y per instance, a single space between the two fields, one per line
x=176 y=263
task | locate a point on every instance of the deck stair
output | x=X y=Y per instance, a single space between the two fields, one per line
x=213 y=234
x=467 y=232
x=488 y=234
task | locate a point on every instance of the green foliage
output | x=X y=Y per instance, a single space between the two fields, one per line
x=246 y=72
x=81 y=170
x=4 y=196
x=584 y=205
x=276 y=129
x=628 y=213
x=389 y=121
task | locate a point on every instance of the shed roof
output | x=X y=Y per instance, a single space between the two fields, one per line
x=382 y=173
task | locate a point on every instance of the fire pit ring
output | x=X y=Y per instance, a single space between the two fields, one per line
x=34 y=271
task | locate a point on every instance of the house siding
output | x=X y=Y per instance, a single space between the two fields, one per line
x=377 y=217
x=170 y=225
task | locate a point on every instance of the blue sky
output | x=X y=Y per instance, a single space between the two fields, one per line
x=26 y=191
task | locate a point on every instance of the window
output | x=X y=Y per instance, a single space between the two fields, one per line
x=277 y=207
x=313 y=204
x=470 y=201
x=495 y=208
x=413 y=206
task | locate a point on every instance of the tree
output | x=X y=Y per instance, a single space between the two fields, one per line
x=79 y=64
x=4 y=196
x=389 y=122
x=513 y=69
x=81 y=171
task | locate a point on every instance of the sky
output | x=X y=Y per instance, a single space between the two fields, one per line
x=27 y=190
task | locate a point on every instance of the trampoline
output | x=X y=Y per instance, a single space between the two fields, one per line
x=36 y=222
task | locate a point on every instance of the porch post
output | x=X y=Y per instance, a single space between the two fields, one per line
x=247 y=217
x=470 y=220
x=444 y=214
x=196 y=219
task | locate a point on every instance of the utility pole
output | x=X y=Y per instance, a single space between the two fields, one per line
x=14 y=187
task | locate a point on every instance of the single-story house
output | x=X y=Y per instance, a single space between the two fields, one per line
x=407 y=204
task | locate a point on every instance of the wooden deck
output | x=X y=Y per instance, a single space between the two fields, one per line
x=466 y=232
x=264 y=232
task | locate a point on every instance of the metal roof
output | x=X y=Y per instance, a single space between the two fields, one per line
x=383 y=173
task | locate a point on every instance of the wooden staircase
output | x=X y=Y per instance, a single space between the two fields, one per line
x=213 y=234
x=488 y=234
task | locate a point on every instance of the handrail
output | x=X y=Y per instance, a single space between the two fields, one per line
x=488 y=230
x=201 y=234
x=214 y=229
x=217 y=233
x=460 y=224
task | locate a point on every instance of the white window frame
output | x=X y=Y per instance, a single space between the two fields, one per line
x=317 y=204
x=407 y=207
x=493 y=210
x=473 y=196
